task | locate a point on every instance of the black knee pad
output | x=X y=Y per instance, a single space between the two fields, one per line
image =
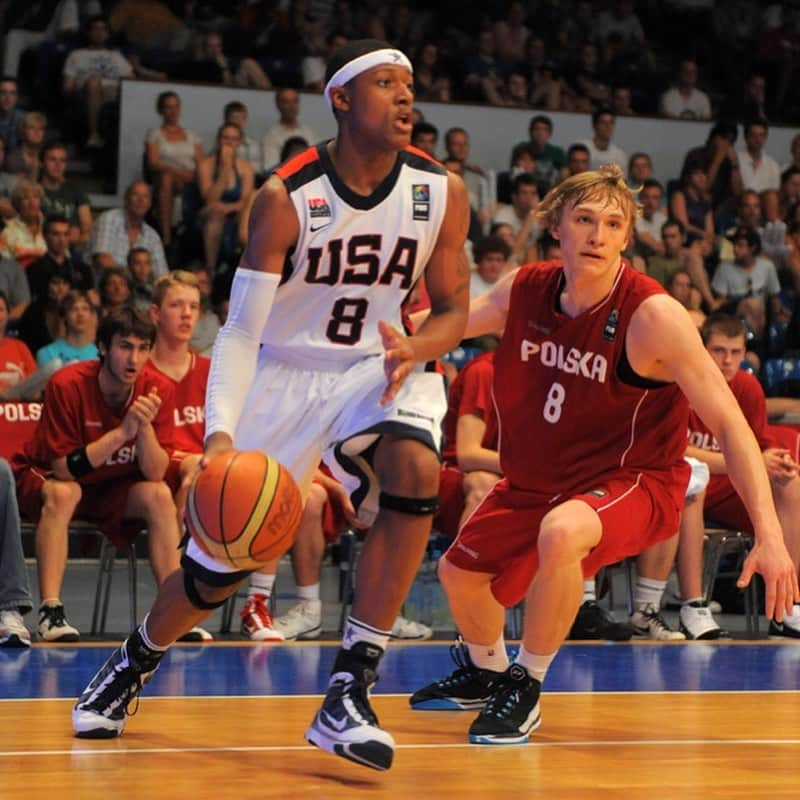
x=195 y=598
x=415 y=506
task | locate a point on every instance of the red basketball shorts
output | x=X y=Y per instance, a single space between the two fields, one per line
x=636 y=510
x=451 y=501
x=102 y=504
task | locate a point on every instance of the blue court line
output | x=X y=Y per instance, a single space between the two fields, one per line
x=247 y=671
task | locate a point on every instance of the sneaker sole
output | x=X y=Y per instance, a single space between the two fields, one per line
x=506 y=739
x=313 y=633
x=448 y=704
x=15 y=641
x=373 y=754
x=708 y=635
x=87 y=725
x=271 y=637
x=64 y=637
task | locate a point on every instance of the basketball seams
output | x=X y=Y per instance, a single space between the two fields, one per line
x=263 y=505
x=232 y=512
x=222 y=532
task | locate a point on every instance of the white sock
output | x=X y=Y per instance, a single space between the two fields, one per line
x=357 y=631
x=691 y=600
x=537 y=666
x=147 y=640
x=589 y=591
x=310 y=592
x=648 y=592
x=493 y=656
x=261 y=584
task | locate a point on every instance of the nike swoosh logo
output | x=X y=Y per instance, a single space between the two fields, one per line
x=315 y=228
x=332 y=722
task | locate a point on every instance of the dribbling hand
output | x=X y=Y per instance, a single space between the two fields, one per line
x=398 y=361
x=216 y=444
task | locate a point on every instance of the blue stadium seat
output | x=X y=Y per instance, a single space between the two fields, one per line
x=459 y=356
x=776 y=339
x=781 y=377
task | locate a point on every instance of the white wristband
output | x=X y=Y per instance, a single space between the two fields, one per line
x=233 y=362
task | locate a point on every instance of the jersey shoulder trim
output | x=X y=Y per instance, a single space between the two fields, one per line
x=419 y=159
x=301 y=169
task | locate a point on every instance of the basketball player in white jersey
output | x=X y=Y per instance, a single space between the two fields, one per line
x=311 y=362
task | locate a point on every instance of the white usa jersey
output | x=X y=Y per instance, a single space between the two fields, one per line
x=355 y=260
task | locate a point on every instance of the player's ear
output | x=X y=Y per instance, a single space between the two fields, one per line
x=340 y=98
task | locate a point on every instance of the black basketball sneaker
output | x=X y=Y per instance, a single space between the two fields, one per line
x=466 y=688
x=346 y=725
x=102 y=708
x=512 y=712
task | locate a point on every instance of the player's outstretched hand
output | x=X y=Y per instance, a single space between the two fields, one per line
x=399 y=360
x=770 y=558
x=216 y=444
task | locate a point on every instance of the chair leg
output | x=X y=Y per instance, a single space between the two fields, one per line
x=132 y=587
x=103 y=587
x=227 y=614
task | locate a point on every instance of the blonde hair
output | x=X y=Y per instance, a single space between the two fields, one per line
x=606 y=183
x=22 y=188
x=31 y=118
x=178 y=277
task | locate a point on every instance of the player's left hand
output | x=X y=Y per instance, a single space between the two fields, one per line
x=398 y=361
x=145 y=407
x=770 y=558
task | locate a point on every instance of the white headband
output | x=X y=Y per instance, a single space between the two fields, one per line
x=376 y=58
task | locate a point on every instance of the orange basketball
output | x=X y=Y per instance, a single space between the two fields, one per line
x=243 y=509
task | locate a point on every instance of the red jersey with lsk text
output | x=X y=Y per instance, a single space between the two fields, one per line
x=571 y=409
x=76 y=414
x=189 y=411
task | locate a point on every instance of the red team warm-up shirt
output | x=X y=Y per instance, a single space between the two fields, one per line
x=750 y=397
x=570 y=408
x=189 y=412
x=471 y=393
x=76 y=414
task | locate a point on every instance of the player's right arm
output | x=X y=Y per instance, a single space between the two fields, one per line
x=273 y=229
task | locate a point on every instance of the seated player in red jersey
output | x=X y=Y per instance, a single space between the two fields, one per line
x=100 y=453
x=724 y=337
x=470 y=461
x=592 y=378
x=175 y=311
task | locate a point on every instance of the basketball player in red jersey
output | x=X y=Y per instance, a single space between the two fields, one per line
x=100 y=452
x=724 y=337
x=311 y=363
x=590 y=378
x=175 y=311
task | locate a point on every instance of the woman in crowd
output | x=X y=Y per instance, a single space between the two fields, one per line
x=173 y=153
x=23 y=236
x=226 y=182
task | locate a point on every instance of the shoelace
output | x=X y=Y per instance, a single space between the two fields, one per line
x=465 y=668
x=356 y=690
x=654 y=618
x=502 y=703
x=57 y=617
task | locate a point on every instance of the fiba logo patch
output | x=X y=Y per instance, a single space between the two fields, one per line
x=421 y=200
x=318 y=207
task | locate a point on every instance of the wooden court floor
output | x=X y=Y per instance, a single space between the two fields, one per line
x=673 y=743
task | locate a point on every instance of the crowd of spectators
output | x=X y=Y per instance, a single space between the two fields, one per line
x=721 y=235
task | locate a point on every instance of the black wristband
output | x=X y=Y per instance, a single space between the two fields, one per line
x=78 y=463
